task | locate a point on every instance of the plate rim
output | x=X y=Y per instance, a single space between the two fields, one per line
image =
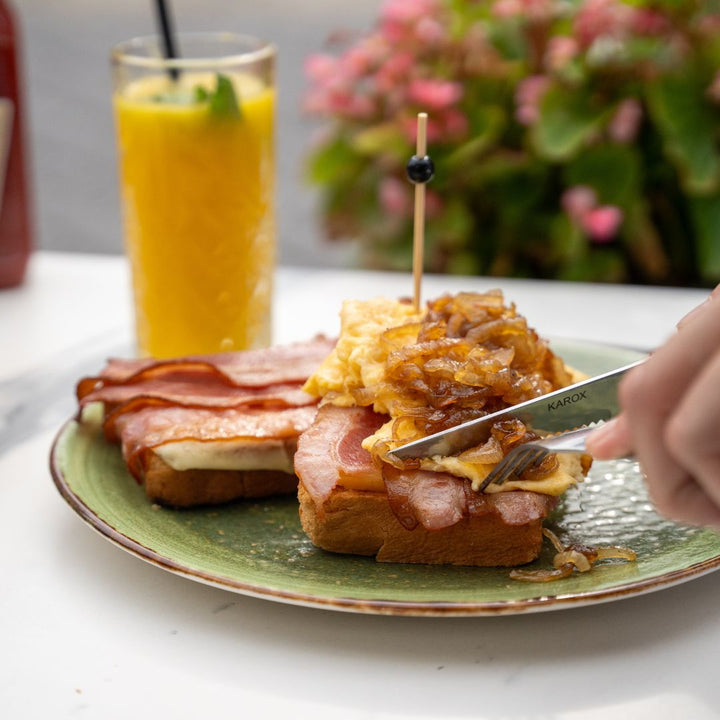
x=371 y=606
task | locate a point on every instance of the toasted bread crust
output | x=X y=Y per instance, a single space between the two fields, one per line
x=188 y=488
x=362 y=523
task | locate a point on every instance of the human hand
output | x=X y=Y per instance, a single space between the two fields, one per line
x=670 y=420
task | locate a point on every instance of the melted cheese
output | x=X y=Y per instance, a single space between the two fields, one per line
x=241 y=454
x=568 y=473
x=237 y=454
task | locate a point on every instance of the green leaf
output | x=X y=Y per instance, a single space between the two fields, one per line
x=455 y=223
x=200 y=94
x=568 y=244
x=386 y=139
x=223 y=100
x=599 y=265
x=644 y=244
x=687 y=124
x=464 y=263
x=333 y=162
x=613 y=170
x=488 y=123
x=706 y=216
x=567 y=121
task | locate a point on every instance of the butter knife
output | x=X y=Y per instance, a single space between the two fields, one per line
x=585 y=402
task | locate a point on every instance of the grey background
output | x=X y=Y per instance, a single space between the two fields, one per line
x=66 y=48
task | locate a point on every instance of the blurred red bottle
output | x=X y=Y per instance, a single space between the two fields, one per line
x=15 y=230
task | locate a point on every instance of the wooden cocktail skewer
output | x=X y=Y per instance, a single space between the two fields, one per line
x=420 y=170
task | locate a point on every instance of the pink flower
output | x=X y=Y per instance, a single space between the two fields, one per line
x=320 y=67
x=356 y=62
x=445 y=126
x=602 y=18
x=394 y=70
x=528 y=95
x=561 y=49
x=361 y=107
x=527 y=115
x=455 y=124
x=531 y=89
x=625 y=123
x=434 y=94
x=398 y=18
x=407 y=11
x=534 y=10
x=336 y=99
x=713 y=91
x=709 y=24
x=578 y=201
x=602 y=223
x=507 y=8
x=316 y=103
x=353 y=106
x=429 y=31
x=650 y=22
x=394 y=196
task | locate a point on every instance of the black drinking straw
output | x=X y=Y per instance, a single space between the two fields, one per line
x=167 y=34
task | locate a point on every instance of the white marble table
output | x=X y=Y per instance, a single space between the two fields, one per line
x=90 y=631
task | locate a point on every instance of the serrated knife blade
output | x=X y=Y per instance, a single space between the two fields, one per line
x=585 y=402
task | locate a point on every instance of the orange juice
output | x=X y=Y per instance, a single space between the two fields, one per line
x=198 y=189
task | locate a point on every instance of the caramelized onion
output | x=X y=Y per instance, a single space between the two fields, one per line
x=488 y=453
x=616 y=553
x=543 y=575
x=470 y=356
x=572 y=558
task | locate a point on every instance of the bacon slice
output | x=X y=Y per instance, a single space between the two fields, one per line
x=438 y=500
x=279 y=364
x=517 y=507
x=206 y=392
x=269 y=378
x=122 y=399
x=331 y=449
x=150 y=428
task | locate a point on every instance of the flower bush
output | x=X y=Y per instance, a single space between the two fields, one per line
x=571 y=139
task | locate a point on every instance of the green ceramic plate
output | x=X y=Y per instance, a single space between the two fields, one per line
x=259 y=549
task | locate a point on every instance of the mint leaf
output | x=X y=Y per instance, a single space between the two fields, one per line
x=200 y=94
x=224 y=101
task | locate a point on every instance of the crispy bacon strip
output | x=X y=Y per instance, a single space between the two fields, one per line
x=121 y=399
x=205 y=393
x=435 y=500
x=280 y=364
x=332 y=448
x=438 y=500
x=269 y=378
x=150 y=428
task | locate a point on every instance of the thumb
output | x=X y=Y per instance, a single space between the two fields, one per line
x=611 y=440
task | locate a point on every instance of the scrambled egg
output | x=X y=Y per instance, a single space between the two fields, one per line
x=358 y=360
x=358 y=363
x=568 y=472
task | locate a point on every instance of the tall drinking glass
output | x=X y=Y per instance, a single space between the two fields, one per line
x=195 y=140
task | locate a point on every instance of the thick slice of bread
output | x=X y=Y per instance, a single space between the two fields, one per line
x=189 y=488
x=362 y=523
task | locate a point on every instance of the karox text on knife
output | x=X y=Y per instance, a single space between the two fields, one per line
x=588 y=401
